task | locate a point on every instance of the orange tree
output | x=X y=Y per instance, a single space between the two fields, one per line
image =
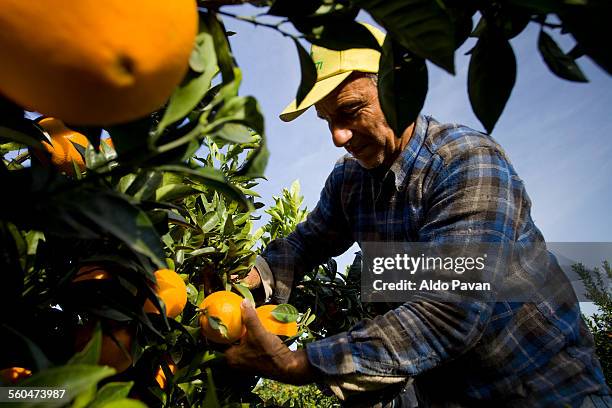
x=175 y=188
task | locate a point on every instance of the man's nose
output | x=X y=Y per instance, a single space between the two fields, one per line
x=340 y=135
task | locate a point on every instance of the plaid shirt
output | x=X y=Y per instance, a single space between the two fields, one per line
x=450 y=183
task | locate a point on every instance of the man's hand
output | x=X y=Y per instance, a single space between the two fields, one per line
x=263 y=353
x=252 y=280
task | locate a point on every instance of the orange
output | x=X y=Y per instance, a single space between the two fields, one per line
x=61 y=146
x=95 y=63
x=160 y=377
x=111 y=354
x=223 y=307
x=171 y=289
x=272 y=324
x=91 y=272
x=13 y=375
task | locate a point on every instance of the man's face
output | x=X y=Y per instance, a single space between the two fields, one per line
x=357 y=123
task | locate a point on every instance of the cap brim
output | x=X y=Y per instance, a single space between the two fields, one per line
x=319 y=91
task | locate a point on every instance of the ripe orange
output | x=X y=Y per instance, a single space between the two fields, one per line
x=91 y=272
x=272 y=324
x=223 y=308
x=96 y=63
x=171 y=290
x=61 y=146
x=13 y=375
x=111 y=354
x=160 y=377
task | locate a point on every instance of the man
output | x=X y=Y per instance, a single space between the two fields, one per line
x=433 y=183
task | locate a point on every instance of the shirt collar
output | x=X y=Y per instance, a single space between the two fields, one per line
x=403 y=163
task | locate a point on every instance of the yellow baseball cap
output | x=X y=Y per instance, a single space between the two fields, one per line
x=333 y=67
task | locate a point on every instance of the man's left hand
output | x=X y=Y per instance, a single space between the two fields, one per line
x=263 y=353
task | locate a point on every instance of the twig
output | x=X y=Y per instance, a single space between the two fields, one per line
x=255 y=22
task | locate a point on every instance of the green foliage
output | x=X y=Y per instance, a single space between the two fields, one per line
x=286 y=214
x=273 y=393
x=599 y=290
x=175 y=191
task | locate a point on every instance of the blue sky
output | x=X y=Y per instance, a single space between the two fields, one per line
x=556 y=133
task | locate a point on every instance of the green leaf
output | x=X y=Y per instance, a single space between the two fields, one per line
x=209 y=177
x=211 y=400
x=216 y=324
x=309 y=320
x=290 y=8
x=210 y=221
x=225 y=92
x=557 y=61
x=201 y=251
x=145 y=185
x=590 y=25
x=20 y=137
x=402 y=85
x=192 y=294
x=342 y=35
x=124 y=403
x=111 y=392
x=244 y=291
x=173 y=192
x=309 y=73
x=84 y=398
x=285 y=313
x=91 y=353
x=256 y=165
x=224 y=56
x=421 y=26
x=244 y=110
x=203 y=56
x=234 y=132
x=120 y=218
x=228 y=227
x=10 y=147
x=295 y=189
x=75 y=379
x=185 y=98
x=491 y=77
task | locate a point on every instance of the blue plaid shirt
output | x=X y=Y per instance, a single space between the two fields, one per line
x=450 y=183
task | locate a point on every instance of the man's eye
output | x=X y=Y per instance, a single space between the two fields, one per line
x=351 y=113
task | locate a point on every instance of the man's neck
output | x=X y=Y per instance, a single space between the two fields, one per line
x=403 y=142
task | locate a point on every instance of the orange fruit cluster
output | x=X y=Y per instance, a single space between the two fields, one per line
x=117 y=344
x=221 y=319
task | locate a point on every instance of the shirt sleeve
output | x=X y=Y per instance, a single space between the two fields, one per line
x=475 y=197
x=324 y=234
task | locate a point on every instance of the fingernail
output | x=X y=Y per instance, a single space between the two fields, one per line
x=247 y=303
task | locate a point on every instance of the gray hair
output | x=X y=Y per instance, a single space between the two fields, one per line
x=373 y=76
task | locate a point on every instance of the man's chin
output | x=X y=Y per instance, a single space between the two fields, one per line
x=368 y=163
